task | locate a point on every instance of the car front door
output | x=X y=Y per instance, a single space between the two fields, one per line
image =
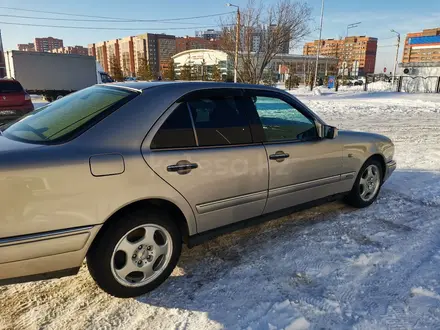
x=203 y=147
x=302 y=166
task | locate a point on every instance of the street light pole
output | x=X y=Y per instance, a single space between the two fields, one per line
x=352 y=25
x=397 y=56
x=237 y=40
x=349 y=26
x=319 y=45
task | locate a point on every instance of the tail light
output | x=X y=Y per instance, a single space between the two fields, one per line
x=27 y=97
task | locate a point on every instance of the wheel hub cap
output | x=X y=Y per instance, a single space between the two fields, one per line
x=141 y=255
x=369 y=183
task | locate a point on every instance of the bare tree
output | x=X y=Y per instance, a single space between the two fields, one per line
x=265 y=31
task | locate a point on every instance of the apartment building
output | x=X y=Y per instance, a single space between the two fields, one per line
x=30 y=47
x=126 y=54
x=357 y=54
x=47 y=44
x=79 y=50
x=188 y=43
x=422 y=47
x=252 y=38
x=157 y=49
x=99 y=51
x=113 y=54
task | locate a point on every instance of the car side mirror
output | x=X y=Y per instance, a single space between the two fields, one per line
x=326 y=131
x=330 y=132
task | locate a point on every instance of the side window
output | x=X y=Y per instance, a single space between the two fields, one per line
x=281 y=121
x=176 y=131
x=220 y=121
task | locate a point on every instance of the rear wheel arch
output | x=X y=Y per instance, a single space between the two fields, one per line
x=155 y=203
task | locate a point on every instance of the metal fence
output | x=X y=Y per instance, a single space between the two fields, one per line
x=406 y=84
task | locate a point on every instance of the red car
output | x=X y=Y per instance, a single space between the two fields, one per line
x=14 y=101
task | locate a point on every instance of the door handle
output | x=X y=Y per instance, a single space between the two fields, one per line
x=182 y=167
x=279 y=156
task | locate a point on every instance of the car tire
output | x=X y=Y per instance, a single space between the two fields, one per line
x=367 y=186
x=145 y=241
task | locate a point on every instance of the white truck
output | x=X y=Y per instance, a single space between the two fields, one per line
x=54 y=75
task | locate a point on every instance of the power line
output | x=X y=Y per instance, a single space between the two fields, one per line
x=91 y=20
x=108 y=28
x=117 y=18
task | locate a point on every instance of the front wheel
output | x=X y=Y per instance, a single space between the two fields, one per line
x=367 y=186
x=135 y=254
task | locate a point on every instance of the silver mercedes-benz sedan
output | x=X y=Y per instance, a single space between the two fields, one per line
x=124 y=174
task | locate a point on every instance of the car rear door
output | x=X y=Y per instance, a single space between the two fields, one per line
x=302 y=166
x=203 y=147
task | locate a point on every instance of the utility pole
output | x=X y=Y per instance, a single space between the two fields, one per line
x=319 y=46
x=237 y=40
x=397 y=55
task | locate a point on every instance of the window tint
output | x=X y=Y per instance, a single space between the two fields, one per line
x=220 y=121
x=57 y=121
x=10 y=86
x=281 y=121
x=176 y=131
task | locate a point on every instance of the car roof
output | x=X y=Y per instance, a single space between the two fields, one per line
x=143 y=85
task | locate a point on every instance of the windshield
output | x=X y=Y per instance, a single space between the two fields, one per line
x=10 y=86
x=62 y=119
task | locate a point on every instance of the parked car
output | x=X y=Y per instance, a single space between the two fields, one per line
x=123 y=174
x=14 y=101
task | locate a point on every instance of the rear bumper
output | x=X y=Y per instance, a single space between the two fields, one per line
x=10 y=113
x=44 y=255
x=390 y=168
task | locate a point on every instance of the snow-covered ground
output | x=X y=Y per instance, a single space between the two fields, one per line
x=38 y=101
x=329 y=267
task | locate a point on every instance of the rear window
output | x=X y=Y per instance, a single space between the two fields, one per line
x=10 y=86
x=64 y=119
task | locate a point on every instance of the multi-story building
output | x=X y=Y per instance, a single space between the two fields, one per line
x=357 y=54
x=187 y=43
x=422 y=47
x=209 y=34
x=2 y=59
x=47 y=44
x=252 y=39
x=79 y=50
x=157 y=49
x=30 y=47
x=129 y=52
x=100 y=50
x=286 y=44
x=91 y=49
x=126 y=54
x=113 y=55
x=166 y=48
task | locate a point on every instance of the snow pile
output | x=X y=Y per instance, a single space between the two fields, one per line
x=317 y=91
x=329 y=267
x=380 y=86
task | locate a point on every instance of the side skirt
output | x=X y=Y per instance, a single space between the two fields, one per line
x=211 y=234
x=40 y=277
